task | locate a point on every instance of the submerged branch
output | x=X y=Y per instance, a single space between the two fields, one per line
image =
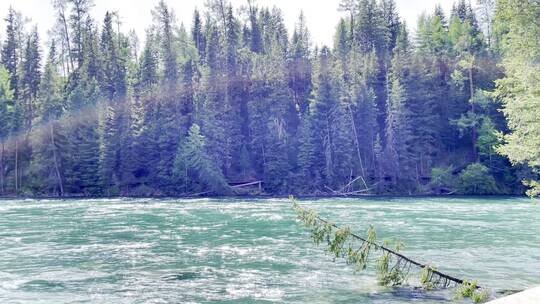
x=340 y=241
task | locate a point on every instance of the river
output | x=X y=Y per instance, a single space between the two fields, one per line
x=251 y=250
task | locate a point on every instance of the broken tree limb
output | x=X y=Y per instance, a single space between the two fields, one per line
x=433 y=277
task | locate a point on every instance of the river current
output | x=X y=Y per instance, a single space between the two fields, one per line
x=252 y=250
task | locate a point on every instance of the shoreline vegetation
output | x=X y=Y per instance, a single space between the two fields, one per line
x=263 y=196
x=233 y=97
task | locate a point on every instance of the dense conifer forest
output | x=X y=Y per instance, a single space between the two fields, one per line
x=233 y=96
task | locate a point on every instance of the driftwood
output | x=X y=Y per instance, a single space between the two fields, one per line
x=349 y=193
x=259 y=183
x=343 y=192
x=350 y=183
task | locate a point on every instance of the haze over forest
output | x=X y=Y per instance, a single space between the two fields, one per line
x=234 y=97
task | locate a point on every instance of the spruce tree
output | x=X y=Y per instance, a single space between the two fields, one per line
x=30 y=71
x=167 y=114
x=6 y=108
x=197 y=34
x=10 y=49
x=193 y=162
x=49 y=143
x=300 y=64
x=331 y=137
x=116 y=115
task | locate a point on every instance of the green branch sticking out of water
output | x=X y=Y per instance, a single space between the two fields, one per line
x=469 y=289
x=392 y=267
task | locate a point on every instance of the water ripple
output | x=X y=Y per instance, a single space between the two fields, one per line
x=250 y=251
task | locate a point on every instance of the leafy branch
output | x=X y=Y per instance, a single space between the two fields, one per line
x=392 y=267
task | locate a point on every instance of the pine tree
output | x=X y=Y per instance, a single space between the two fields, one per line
x=398 y=164
x=197 y=34
x=6 y=107
x=144 y=127
x=47 y=165
x=342 y=42
x=83 y=139
x=9 y=58
x=391 y=24
x=116 y=115
x=167 y=114
x=350 y=7
x=213 y=106
x=79 y=15
x=424 y=119
x=82 y=167
x=332 y=145
x=271 y=109
x=30 y=71
x=369 y=30
x=300 y=64
x=193 y=162
x=255 y=37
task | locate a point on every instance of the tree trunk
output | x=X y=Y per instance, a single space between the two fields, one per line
x=16 y=166
x=66 y=31
x=352 y=27
x=473 y=110
x=55 y=159
x=329 y=150
x=357 y=147
x=2 y=170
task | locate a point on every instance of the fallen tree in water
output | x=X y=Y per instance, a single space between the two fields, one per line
x=392 y=267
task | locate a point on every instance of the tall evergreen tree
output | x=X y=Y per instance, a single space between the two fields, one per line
x=115 y=117
x=300 y=64
x=80 y=11
x=192 y=161
x=49 y=143
x=332 y=143
x=168 y=105
x=30 y=77
x=197 y=34
x=6 y=108
x=9 y=58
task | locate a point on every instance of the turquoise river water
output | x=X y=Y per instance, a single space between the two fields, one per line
x=251 y=250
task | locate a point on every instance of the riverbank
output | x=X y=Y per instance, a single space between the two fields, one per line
x=529 y=296
x=269 y=196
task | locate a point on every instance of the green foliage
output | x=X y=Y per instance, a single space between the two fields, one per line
x=466 y=122
x=476 y=179
x=425 y=277
x=387 y=275
x=534 y=190
x=469 y=289
x=359 y=257
x=442 y=179
x=375 y=114
x=392 y=267
x=339 y=240
x=6 y=99
x=6 y=102
x=517 y=28
x=192 y=156
x=11 y=49
x=488 y=141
